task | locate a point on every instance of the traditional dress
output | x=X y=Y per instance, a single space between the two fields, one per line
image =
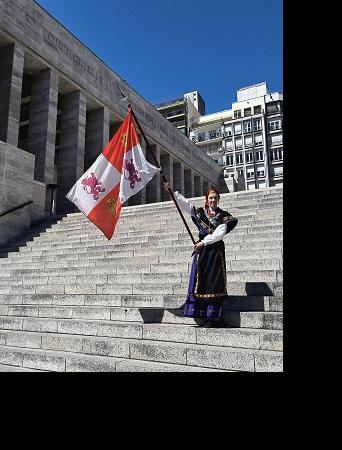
x=208 y=281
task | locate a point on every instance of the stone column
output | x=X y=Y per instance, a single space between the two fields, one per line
x=42 y=127
x=153 y=187
x=97 y=135
x=205 y=187
x=166 y=162
x=178 y=177
x=189 y=183
x=11 y=77
x=197 y=186
x=71 y=147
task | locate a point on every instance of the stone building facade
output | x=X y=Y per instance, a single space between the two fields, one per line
x=59 y=106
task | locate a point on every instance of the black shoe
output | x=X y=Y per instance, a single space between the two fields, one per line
x=208 y=324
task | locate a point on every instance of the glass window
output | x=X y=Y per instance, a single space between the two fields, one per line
x=259 y=155
x=247 y=112
x=237 y=128
x=257 y=109
x=249 y=157
x=229 y=144
x=229 y=160
x=238 y=143
x=247 y=127
x=212 y=134
x=228 y=130
x=248 y=141
x=257 y=124
x=258 y=139
x=201 y=137
x=237 y=114
x=239 y=158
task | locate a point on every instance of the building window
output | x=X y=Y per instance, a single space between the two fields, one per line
x=257 y=109
x=228 y=130
x=201 y=137
x=276 y=139
x=237 y=128
x=248 y=141
x=276 y=154
x=249 y=157
x=259 y=155
x=239 y=158
x=257 y=124
x=229 y=144
x=240 y=173
x=247 y=127
x=237 y=114
x=229 y=160
x=250 y=172
x=258 y=139
x=247 y=112
x=213 y=134
x=261 y=173
x=238 y=143
x=274 y=125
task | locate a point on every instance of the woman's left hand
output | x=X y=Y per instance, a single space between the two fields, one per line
x=199 y=245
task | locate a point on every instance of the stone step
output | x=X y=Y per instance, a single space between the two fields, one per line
x=127 y=279
x=188 y=354
x=74 y=362
x=267 y=338
x=139 y=233
x=122 y=268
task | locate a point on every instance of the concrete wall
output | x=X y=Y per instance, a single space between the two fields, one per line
x=16 y=187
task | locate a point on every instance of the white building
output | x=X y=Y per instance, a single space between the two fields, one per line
x=246 y=140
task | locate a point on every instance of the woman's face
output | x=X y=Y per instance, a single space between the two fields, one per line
x=213 y=200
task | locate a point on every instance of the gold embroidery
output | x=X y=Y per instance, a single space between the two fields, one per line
x=111 y=206
x=124 y=139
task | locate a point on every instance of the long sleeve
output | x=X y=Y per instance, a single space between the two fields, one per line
x=217 y=235
x=184 y=203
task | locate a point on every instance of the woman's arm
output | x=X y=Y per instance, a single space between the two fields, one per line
x=216 y=236
x=183 y=203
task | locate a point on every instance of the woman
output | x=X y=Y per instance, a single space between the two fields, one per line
x=208 y=281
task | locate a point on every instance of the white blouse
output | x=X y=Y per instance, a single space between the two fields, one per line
x=187 y=207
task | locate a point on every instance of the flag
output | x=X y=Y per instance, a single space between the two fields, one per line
x=119 y=172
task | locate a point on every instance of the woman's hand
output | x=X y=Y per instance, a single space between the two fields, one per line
x=198 y=245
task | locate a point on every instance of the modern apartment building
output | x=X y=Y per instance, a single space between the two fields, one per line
x=247 y=140
x=182 y=110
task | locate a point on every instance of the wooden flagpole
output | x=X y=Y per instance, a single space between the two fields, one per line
x=161 y=173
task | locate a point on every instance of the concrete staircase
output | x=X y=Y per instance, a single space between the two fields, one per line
x=72 y=301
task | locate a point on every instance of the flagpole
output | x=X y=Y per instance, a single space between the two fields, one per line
x=162 y=174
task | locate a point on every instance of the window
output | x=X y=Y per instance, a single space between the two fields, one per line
x=274 y=125
x=257 y=109
x=248 y=141
x=237 y=128
x=261 y=173
x=229 y=160
x=201 y=137
x=250 y=172
x=228 y=130
x=247 y=127
x=276 y=154
x=259 y=155
x=238 y=143
x=258 y=139
x=237 y=114
x=276 y=139
x=229 y=144
x=239 y=158
x=213 y=134
x=249 y=157
x=278 y=171
x=257 y=124
x=247 y=112
x=240 y=173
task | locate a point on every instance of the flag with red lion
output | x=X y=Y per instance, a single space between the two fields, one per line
x=119 y=172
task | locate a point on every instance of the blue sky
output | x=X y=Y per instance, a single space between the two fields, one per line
x=166 y=48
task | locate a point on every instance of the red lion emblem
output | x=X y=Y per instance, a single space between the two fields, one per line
x=132 y=172
x=92 y=186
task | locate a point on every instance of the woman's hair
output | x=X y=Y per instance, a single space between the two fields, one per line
x=212 y=189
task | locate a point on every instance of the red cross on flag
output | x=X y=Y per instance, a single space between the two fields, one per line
x=119 y=172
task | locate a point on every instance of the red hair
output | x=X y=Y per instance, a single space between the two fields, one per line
x=206 y=204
